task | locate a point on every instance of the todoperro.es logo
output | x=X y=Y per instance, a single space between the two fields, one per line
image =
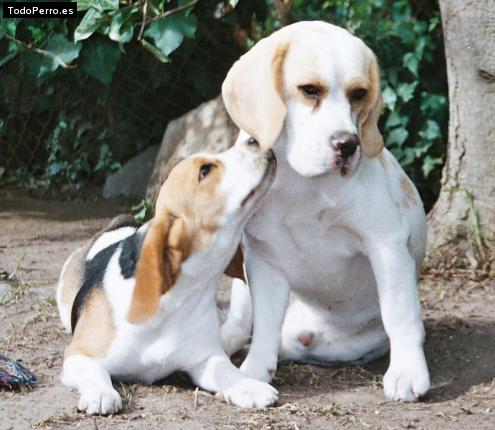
x=42 y=9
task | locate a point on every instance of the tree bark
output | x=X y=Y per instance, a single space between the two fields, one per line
x=461 y=224
x=282 y=10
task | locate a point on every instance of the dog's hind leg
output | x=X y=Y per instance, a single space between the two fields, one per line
x=236 y=330
x=83 y=368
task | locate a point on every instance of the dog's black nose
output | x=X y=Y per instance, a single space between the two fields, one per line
x=344 y=142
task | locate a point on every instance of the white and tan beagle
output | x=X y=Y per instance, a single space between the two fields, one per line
x=141 y=301
x=334 y=253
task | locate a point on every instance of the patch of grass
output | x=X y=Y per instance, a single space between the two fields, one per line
x=334 y=409
x=9 y=340
x=61 y=419
x=46 y=311
x=315 y=409
x=127 y=392
x=370 y=378
x=15 y=272
x=287 y=373
x=14 y=279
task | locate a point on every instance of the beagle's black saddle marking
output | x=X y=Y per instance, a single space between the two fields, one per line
x=94 y=269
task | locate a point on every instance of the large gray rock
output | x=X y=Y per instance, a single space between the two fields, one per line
x=132 y=179
x=208 y=128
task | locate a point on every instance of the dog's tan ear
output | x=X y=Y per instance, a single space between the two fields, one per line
x=253 y=90
x=164 y=249
x=371 y=139
x=235 y=269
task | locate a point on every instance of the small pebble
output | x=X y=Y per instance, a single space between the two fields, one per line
x=5 y=289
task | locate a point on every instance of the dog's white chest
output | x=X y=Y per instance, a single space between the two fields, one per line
x=318 y=253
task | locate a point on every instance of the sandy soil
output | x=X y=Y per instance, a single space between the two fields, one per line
x=36 y=235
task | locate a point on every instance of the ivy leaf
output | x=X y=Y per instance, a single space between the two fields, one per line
x=99 y=59
x=432 y=103
x=121 y=28
x=63 y=52
x=395 y=119
x=88 y=25
x=406 y=33
x=54 y=168
x=411 y=63
x=389 y=98
x=408 y=157
x=169 y=32
x=431 y=131
x=99 y=5
x=37 y=33
x=393 y=75
x=433 y=23
x=429 y=164
x=406 y=91
x=105 y=158
x=397 y=136
x=8 y=26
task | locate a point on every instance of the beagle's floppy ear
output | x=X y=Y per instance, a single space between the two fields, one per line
x=371 y=139
x=165 y=247
x=235 y=269
x=253 y=90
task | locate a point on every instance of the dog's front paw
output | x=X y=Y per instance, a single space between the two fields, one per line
x=257 y=369
x=407 y=378
x=100 y=401
x=249 y=393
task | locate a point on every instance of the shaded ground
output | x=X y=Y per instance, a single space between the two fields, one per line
x=37 y=235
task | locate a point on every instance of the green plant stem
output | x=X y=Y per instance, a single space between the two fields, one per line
x=143 y=22
x=30 y=47
x=17 y=266
x=174 y=10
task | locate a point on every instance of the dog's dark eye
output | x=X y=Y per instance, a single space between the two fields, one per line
x=310 y=90
x=358 y=94
x=252 y=141
x=204 y=171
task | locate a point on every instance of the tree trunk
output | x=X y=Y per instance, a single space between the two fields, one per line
x=282 y=10
x=461 y=224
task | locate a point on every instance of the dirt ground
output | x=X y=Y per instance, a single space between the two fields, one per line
x=36 y=235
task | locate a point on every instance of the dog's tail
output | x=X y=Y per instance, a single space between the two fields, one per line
x=69 y=283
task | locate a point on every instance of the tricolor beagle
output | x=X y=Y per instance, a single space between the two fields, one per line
x=141 y=301
x=334 y=253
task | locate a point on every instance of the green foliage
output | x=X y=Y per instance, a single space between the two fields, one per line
x=143 y=211
x=407 y=39
x=62 y=52
x=100 y=58
x=79 y=97
x=168 y=33
x=105 y=85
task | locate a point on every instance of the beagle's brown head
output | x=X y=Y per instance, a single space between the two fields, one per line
x=199 y=215
x=319 y=85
